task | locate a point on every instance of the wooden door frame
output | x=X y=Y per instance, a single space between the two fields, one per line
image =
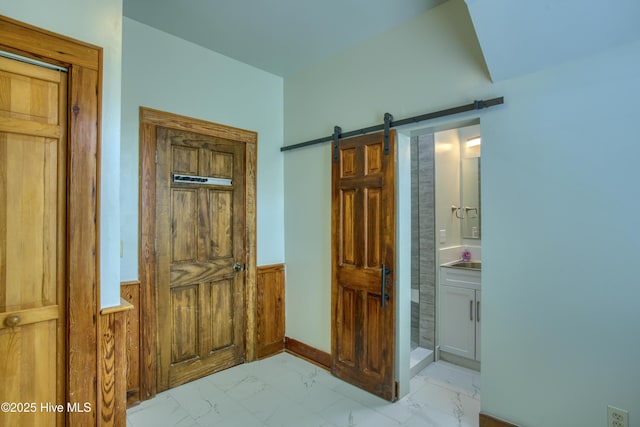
x=84 y=63
x=150 y=119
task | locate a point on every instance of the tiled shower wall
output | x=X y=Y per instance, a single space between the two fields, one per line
x=423 y=250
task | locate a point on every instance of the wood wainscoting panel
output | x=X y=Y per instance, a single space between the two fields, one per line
x=489 y=421
x=312 y=354
x=113 y=365
x=130 y=291
x=270 y=317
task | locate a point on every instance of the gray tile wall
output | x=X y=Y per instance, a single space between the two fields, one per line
x=415 y=245
x=423 y=241
x=415 y=324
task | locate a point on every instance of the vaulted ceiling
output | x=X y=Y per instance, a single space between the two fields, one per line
x=519 y=37
x=278 y=36
x=284 y=36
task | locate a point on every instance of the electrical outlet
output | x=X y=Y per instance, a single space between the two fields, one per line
x=617 y=417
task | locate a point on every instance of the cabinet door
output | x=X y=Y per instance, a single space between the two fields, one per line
x=458 y=321
x=478 y=320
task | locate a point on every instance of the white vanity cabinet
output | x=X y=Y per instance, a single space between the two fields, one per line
x=460 y=312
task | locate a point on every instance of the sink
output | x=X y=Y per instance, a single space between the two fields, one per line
x=473 y=265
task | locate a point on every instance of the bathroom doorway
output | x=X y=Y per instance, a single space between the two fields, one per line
x=438 y=233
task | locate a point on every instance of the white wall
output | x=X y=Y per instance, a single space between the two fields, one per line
x=98 y=23
x=559 y=182
x=549 y=31
x=447 y=183
x=406 y=71
x=166 y=73
x=560 y=185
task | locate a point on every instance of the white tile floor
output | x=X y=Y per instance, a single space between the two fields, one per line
x=285 y=391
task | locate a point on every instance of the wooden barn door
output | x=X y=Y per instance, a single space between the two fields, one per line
x=32 y=242
x=363 y=260
x=200 y=208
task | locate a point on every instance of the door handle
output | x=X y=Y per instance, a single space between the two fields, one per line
x=478 y=311
x=384 y=296
x=12 y=321
x=237 y=267
x=471 y=310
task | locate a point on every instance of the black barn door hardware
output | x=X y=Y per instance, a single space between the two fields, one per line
x=390 y=123
x=384 y=296
x=388 y=118
x=337 y=130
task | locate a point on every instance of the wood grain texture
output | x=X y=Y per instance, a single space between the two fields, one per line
x=347 y=332
x=363 y=241
x=37 y=43
x=83 y=247
x=33 y=258
x=113 y=364
x=220 y=225
x=220 y=304
x=147 y=261
x=190 y=124
x=270 y=309
x=489 y=421
x=130 y=291
x=184 y=229
x=150 y=121
x=307 y=352
x=123 y=306
x=26 y=372
x=163 y=310
x=251 y=176
x=184 y=324
x=31 y=315
x=30 y=128
x=200 y=236
x=185 y=160
x=64 y=230
x=81 y=210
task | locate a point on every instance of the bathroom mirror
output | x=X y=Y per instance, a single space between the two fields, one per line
x=470 y=192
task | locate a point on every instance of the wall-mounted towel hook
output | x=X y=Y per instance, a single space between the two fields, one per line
x=456 y=210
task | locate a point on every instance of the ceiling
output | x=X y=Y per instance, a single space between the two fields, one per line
x=278 y=36
x=520 y=37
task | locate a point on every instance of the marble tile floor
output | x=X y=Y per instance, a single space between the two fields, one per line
x=285 y=391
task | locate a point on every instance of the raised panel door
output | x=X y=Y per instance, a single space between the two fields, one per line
x=201 y=235
x=32 y=241
x=363 y=250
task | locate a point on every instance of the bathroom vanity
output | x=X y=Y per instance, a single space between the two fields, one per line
x=460 y=309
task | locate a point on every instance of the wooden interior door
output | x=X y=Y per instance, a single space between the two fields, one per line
x=200 y=255
x=363 y=258
x=32 y=242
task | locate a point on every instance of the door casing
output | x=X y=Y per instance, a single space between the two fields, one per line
x=150 y=119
